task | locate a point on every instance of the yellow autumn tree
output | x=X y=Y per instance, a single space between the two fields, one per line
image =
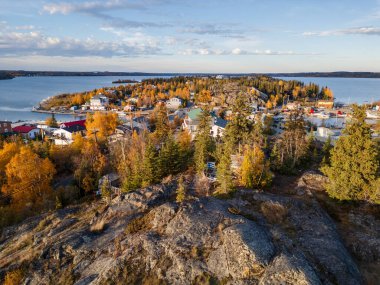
x=269 y=105
x=254 y=170
x=89 y=166
x=204 y=96
x=101 y=124
x=8 y=151
x=28 y=177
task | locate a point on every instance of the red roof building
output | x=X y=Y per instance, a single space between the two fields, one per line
x=23 y=129
x=28 y=132
x=73 y=123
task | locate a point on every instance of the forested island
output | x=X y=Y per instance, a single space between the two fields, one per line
x=5 y=75
x=124 y=81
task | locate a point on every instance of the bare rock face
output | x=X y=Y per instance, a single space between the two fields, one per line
x=147 y=238
x=311 y=180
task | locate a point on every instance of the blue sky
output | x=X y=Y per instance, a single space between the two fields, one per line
x=190 y=35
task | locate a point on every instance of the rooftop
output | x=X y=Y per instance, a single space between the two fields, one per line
x=23 y=129
x=74 y=128
x=194 y=114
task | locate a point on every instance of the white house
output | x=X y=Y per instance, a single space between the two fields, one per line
x=65 y=136
x=99 y=102
x=322 y=134
x=218 y=127
x=174 y=103
x=28 y=132
x=191 y=122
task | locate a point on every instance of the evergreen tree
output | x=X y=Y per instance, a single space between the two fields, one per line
x=354 y=163
x=224 y=172
x=239 y=127
x=203 y=142
x=150 y=165
x=181 y=191
x=326 y=152
x=169 y=157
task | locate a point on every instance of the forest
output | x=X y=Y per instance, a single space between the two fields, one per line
x=205 y=90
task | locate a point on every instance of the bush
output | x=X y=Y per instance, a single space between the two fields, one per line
x=98 y=226
x=274 y=212
x=139 y=224
x=14 y=277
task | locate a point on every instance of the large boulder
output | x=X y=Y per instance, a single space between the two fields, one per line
x=145 y=237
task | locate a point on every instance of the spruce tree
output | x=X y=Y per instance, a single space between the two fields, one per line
x=169 y=157
x=354 y=163
x=224 y=173
x=239 y=127
x=150 y=165
x=326 y=152
x=203 y=142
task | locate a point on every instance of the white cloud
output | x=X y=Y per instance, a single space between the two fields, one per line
x=237 y=52
x=13 y=43
x=90 y=6
x=351 y=31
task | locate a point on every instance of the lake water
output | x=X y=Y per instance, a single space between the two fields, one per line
x=19 y=95
x=347 y=90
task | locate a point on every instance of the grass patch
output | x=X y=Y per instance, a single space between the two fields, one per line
x=14 y=277
x=98 y=227
x=274 y=212
x=42 y=224
x=138 y=224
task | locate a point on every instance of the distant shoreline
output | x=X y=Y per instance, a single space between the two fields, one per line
x=9 y=74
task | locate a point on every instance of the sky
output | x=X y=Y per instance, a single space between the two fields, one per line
x=229 y=36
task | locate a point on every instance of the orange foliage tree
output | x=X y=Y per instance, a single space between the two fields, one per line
x=28 y=177
x=103 y=124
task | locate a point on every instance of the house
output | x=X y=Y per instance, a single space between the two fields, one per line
x=129 y=108
x=73 y=123
x=85 y=106
x=327 y=104
x=5 y=127
x=99 y=102
x=65 y=136
x=218 y=127
x=140 y=122
x=174 y=103
x=191 y=122
x=126 y=130
x=27 y=132
x=293 y=106
x=322 y=134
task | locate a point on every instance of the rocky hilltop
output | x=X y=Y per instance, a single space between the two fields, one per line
x=145 y=237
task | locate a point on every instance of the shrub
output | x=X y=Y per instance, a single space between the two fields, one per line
x=274 y=212
x=139 y=224
x=14 y=277
x=98 y=226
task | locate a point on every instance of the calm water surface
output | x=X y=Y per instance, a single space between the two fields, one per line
x=347 y=90
x=19 y=95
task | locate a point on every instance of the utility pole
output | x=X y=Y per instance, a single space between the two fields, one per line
x=94 y=132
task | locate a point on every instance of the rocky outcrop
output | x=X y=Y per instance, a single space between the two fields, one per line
x=145 y=237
